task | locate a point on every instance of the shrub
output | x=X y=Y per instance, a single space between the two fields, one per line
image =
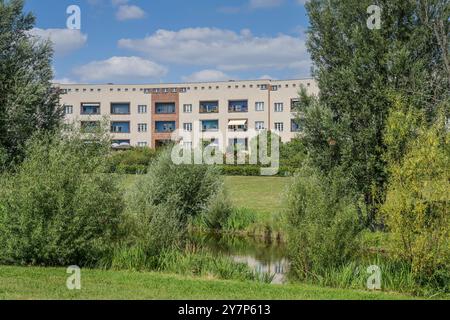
x=59 y=207
x=161 y=203
x=322 y=225
x=188 y=188
x=416 y=210
x=133 y=161
x=216 y=214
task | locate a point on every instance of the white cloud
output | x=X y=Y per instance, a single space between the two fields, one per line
x=256 y=4
x=64 y=40
x=207 y=75
x=129 y=12
x=221 y=49
x=266 y=77
x=120 y=68
x=64 y=81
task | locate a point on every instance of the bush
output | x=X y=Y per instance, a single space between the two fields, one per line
x=417 y=203
x=133 y=161
x=59 y=207
x=323 y=226
x=251 y=170
x=161 y=203
x=216 y=214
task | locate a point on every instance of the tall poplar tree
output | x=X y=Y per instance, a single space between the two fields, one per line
x=28 y=102
x=358 y=69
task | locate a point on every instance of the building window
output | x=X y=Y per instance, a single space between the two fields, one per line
x=238 y=106
x=89 y=126
x=68 y=109
x=187 y=126
x=142 y=144
x=279 y=107
x=187 y=108
x=120 y=108
x=263 y=87
x=164 y=126
x=142 y=109
x=164 y=107
x=120 y=127
x=295 y=104
x=296 y=125
x=259 y=106
x=259 y=125
x=209 y=106
x=90 y=108
x=142 y=127
x=279 y=126
x=210 y=125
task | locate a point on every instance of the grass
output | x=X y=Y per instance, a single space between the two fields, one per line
x=261 y=194
x=50 y=283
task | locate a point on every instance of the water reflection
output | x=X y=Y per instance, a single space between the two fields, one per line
x=262 y=256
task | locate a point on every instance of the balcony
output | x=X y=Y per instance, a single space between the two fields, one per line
x=90 y=108
x=210 y=125
x=165 y=126
x=237 y=126
x=165 y=108
x=238 y=106
x=120 y=108
x=120 y=127
x=296 y=125
x=209 y=106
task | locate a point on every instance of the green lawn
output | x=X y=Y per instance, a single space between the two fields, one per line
x=262 y=194
x=49 y=283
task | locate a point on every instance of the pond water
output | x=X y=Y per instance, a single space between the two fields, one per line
x=260 y=255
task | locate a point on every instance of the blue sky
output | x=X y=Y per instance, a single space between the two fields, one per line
x=174 y=40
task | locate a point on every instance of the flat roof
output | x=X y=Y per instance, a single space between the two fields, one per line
x=183 y=83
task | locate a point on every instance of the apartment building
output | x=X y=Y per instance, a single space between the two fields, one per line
x=222 y=112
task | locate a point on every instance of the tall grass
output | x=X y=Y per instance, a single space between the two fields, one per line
x=189 y=262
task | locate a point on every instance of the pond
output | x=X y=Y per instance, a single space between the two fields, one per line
x=260 y=255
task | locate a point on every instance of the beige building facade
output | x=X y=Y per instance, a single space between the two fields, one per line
x=224 y=113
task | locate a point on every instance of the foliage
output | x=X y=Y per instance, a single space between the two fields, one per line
x=219 y=209
x=59 y=207
x=356 y=69
x=323 y=225
x=185 y=187
x=416 y=210
x=134 y=161
x=161 y=203
x=28 y=103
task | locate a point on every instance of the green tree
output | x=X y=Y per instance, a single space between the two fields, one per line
x=356 y=69
x=417 y=204
x=28 y=102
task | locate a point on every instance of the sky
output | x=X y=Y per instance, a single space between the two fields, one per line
x=153 y=41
